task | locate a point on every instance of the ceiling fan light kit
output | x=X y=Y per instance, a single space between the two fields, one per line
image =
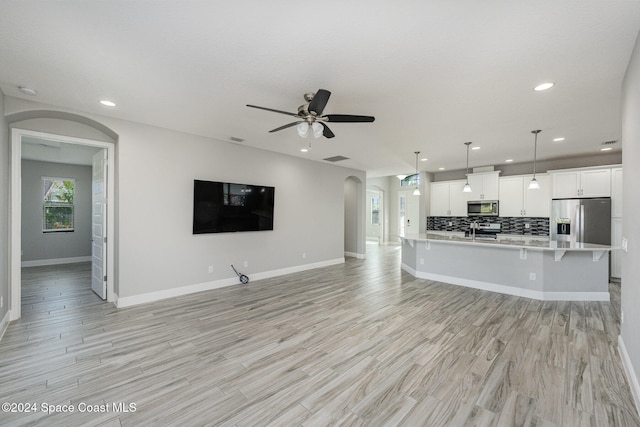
x=310 y=115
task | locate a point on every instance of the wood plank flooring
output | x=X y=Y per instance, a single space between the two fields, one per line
x=360 y=344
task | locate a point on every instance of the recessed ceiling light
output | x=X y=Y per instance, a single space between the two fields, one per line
x=304 y=150
x=560 y=139
x=107 y=103
x=508 y=161
x=424 y=159
x=440 y=169
x=606 y=149
x=543 y=86
x=475 y=148
x=27 y=91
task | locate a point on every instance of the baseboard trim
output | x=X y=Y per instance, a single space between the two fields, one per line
x=355 y=255
x=631 y=373
x=510 y=290
x=4 y=323
x=122 y=302
x=55 y=261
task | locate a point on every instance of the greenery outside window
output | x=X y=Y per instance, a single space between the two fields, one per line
x=375 y=211
x=58 y=204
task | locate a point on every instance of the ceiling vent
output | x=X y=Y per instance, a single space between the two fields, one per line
x=336 y=158
x=236 y=139
x=609 y=142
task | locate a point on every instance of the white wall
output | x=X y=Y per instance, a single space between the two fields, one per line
x=4 y=215
x=156 y=250
x=630 y=209
x=351 y=220
x=39 y=246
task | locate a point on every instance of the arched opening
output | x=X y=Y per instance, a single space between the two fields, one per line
x=58 y=131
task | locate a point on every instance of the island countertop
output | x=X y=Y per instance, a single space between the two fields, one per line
x=508 y=241
x=526 y=266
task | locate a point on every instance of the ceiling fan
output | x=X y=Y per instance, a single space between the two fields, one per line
x=310 y=116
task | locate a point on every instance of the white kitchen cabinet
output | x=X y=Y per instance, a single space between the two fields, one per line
x=517 y=200
x=484 y=186
x=448 y=199
x=581 y=183
x=458 y=199
x=440 y=199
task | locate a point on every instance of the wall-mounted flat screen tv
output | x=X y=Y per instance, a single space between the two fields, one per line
x=224 y=207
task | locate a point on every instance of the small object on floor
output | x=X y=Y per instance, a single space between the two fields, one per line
x=243 y=278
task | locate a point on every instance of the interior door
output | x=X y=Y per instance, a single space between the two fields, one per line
x=98 y=224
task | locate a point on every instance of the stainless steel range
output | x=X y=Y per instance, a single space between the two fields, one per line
x=484 y=230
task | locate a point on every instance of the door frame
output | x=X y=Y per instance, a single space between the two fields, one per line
x=15 y=217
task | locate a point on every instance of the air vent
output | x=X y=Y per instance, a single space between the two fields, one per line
x=609 y=142
x=236 y=139
x=336 y=158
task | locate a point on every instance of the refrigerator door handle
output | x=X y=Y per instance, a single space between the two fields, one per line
x=581 y=223
x=576 y=232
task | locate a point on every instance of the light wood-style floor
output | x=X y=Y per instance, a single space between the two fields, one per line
x=360 y=344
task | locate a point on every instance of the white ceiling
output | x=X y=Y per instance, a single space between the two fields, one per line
x=433 y=73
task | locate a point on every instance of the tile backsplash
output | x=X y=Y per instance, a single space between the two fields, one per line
x=510 y=225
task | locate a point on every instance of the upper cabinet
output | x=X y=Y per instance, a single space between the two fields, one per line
x=448 y=199
x=484 y=186
x=581 y=183
x=517 y=200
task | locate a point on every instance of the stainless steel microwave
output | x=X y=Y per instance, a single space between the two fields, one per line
x=482 y=207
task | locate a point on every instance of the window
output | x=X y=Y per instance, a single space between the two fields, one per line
x=58 y=204
x=411 y=181
x=375 y=211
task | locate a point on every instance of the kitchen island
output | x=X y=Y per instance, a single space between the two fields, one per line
x=521 y=266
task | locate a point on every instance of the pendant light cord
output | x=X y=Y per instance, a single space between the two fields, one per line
x=535 y=150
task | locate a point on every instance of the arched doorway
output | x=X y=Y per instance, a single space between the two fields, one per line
x=62 y=129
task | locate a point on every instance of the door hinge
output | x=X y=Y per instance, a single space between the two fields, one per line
x=105 y=239
x=105 y=278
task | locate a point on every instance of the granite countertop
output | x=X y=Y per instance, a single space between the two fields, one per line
x=508 y=241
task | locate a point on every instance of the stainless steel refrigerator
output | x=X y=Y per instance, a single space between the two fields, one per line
x=581 y=220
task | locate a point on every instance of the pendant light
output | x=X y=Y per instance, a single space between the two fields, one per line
x=467 y=187
x=416 y=192
x=534 y=184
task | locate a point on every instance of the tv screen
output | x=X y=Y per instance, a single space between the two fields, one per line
x=224 y=207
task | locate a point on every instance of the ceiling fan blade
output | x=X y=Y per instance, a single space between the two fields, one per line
x=275 y=111
x=286 y=126
x=326 y=131
x=348 y=118
x=319 y=101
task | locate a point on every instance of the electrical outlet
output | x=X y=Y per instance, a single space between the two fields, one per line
x=621 y=316
x=246 y=264
x=421 y=261
x=450 y=223
x=532 y=276
x=304 y=255
x=527 y=225
x=1 y=301
x=211 y=269
x=625 y=244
